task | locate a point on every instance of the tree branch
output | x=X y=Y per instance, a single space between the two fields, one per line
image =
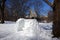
x=49 y=3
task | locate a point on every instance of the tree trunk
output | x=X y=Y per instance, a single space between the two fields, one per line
x=56 y=19
x=2 y=10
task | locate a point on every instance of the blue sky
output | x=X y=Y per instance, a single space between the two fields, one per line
x=44 y=8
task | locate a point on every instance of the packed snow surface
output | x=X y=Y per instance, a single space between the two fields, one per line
x=26 y=29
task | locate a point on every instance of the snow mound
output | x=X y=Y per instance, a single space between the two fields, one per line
x=28 y=26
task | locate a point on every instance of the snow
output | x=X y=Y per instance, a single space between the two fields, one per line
x=46 y=31
x=20 y=24
x=28 y=26
x=26 y=29
x=9 y=22
x=7 y=29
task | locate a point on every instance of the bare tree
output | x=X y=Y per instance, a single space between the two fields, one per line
x=19 y=6
x=56 y=18
x=2 y=10
x=49 y=3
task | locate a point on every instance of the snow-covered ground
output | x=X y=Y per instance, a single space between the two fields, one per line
x=31 y=30
x=9 y=22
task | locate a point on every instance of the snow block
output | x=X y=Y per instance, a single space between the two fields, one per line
x=20 y=24
x=30 y=27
